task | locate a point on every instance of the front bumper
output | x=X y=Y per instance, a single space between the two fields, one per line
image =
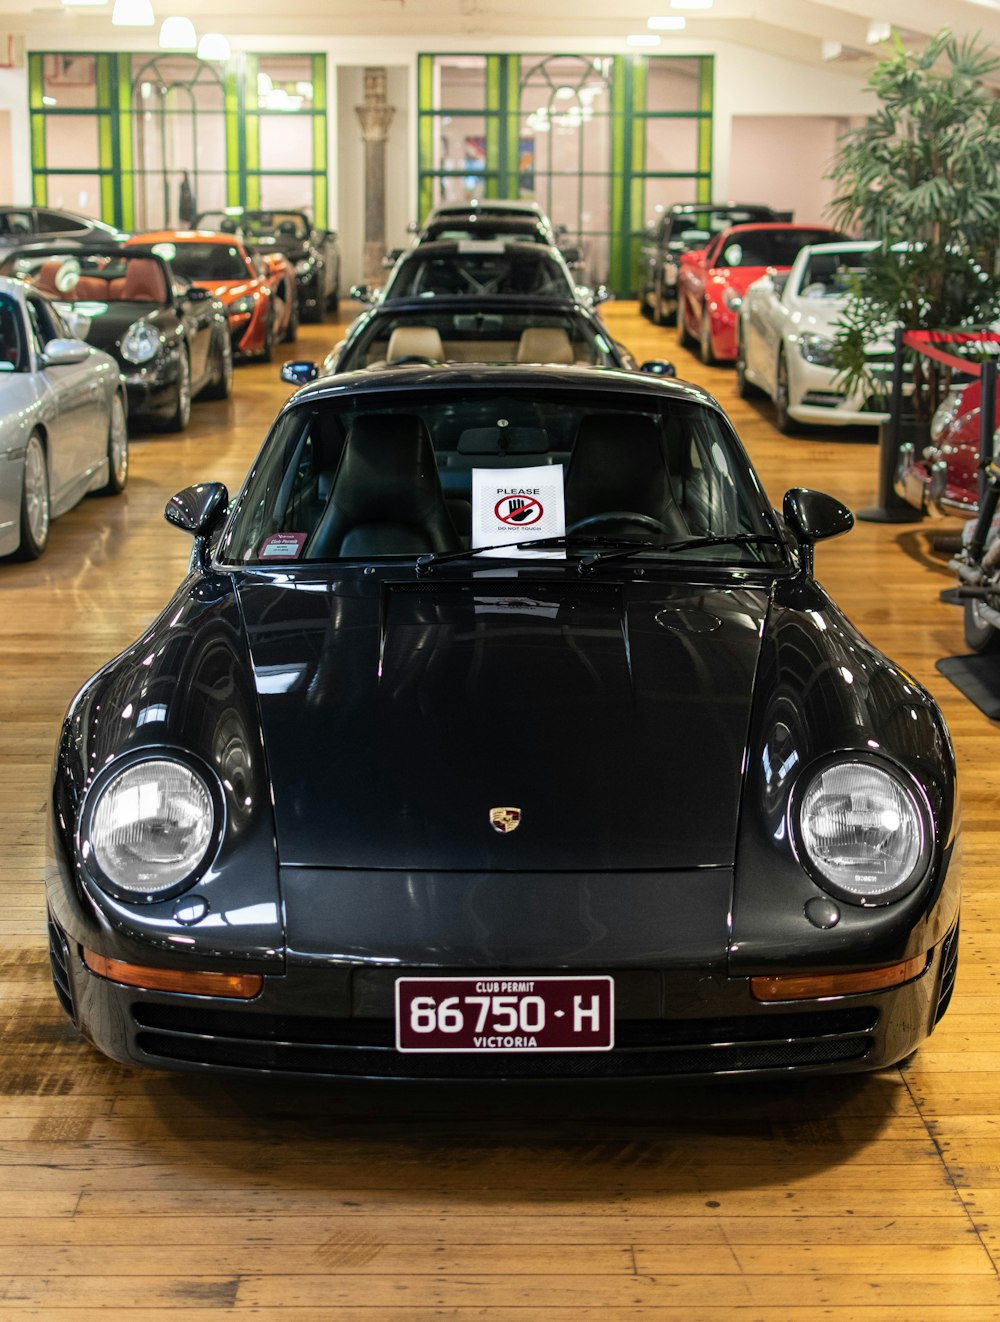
x=336 y=1021
x=151 y=391
x=816 y=394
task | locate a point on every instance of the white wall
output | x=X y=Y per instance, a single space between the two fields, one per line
x=782 y=160
x=15 y=147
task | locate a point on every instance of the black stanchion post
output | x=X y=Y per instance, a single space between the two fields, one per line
x=987 y=421
x=890 y=509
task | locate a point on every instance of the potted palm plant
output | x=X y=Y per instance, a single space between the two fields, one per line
x=922 y=176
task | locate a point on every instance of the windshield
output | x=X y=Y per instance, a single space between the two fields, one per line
x=478 y=269
x=455 y=336
x=693 y=227
x=832 y=275
x=207 y=261
x=374 y=475
x=488 y=229
x=769 y=247
x=282 y=224
x=83 y=277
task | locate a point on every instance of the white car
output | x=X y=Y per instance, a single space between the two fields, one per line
x=62 y=420
x=787 y=324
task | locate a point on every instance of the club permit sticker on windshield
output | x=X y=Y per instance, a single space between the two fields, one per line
x=517 y=505
x=282 y=546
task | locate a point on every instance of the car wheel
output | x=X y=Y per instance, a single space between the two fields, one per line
x=682 y=331
x=782 y=419
x=658 y=302
x=222 y=381
x=314 y=314
x=706 y=352
x=980 y=635
x=268 y=349
x=292 y=329
x=181 y=415
x=117 y=450
x=35 y=508
x=744 y=388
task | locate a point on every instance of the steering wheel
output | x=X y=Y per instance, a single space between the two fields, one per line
x=597 y=521
x=414 y=358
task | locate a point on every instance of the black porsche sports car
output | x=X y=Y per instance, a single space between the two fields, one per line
x=170 y=338
x=501 y=730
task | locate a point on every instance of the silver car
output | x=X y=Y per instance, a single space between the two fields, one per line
x=62 y=420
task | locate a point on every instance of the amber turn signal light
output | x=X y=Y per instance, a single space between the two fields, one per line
x=236 y=986
x=812 y=986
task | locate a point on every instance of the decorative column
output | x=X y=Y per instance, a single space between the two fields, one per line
x=375 y=117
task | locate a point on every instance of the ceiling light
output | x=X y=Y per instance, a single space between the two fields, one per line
x=691 y=4
x=671 y=23
x=178 y=34
x=265 y=86
x=878 y=32
x=213 y=46
x=133 y=14
x=642 y=39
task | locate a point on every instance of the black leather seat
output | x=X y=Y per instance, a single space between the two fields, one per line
x=617 y=468
x=386 y=497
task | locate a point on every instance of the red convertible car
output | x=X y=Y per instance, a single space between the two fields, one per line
x=259 y=293
x=713 y=280
x=945 y=477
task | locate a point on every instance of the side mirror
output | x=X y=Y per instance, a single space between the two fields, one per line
x=572 y=255
x=196 y=295
x=198 y=509
x=299 y=372
x=413 y=228
x=601 y=294
x=362 y=293
x=64 y=353
x=392 y=257
x=813 y=516
x=658 y=367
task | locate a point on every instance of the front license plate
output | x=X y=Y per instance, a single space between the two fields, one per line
x=505 y=1014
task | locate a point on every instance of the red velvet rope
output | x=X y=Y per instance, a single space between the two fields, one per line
x=923 y=340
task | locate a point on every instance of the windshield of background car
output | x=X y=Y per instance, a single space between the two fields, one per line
x=207 y=261
x=478 y=270
x=694 y=227
x=79 y=276
x=486 y=230
x=829 y=275
x=281 y=224
x=478 y=336
x=11 y=336
x=772 y=247
x=342 y=475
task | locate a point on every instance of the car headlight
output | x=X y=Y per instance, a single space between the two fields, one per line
x=816 y=349
x=863 y=833
x=140 y=343
x=243 y=307
x=732 y=300
x=149 y=827
x=304 y=267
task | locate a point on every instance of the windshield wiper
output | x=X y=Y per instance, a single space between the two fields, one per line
x=689 y=544
x=624 y=545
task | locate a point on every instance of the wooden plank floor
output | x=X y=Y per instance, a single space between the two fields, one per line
x=876 y=1197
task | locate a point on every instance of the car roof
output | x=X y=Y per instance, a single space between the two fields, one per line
x=417 y=379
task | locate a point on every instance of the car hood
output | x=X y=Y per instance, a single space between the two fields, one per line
x=397 y=714
x=740 y=278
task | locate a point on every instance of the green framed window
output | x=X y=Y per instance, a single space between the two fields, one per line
x=283 y=122
x=600 y=141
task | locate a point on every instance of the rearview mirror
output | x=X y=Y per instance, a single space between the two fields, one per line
x=64 y=353
x=658 y=367
x=299 y=372
x=198 y=509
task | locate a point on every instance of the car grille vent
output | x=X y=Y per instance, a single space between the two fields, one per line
x=59 y=965
x=364 y=1048
x=949 y=970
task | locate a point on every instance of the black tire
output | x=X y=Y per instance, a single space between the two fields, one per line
x=221 y=385
x=705 y=351
x=657 y=310
x=644 y=305
x=292 y=329
x=36 y=509
x=744 y=388
x=181 y=416
x=117 y=450
x=783 y=420
x=683 y=338
x=980 y=636
x=312 y=315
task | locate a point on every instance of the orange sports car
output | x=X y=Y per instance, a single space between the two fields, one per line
x=259 y=293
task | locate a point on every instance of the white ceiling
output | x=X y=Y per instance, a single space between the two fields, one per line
x=797 y=29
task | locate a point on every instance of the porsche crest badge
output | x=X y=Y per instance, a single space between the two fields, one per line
x=505 y=820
